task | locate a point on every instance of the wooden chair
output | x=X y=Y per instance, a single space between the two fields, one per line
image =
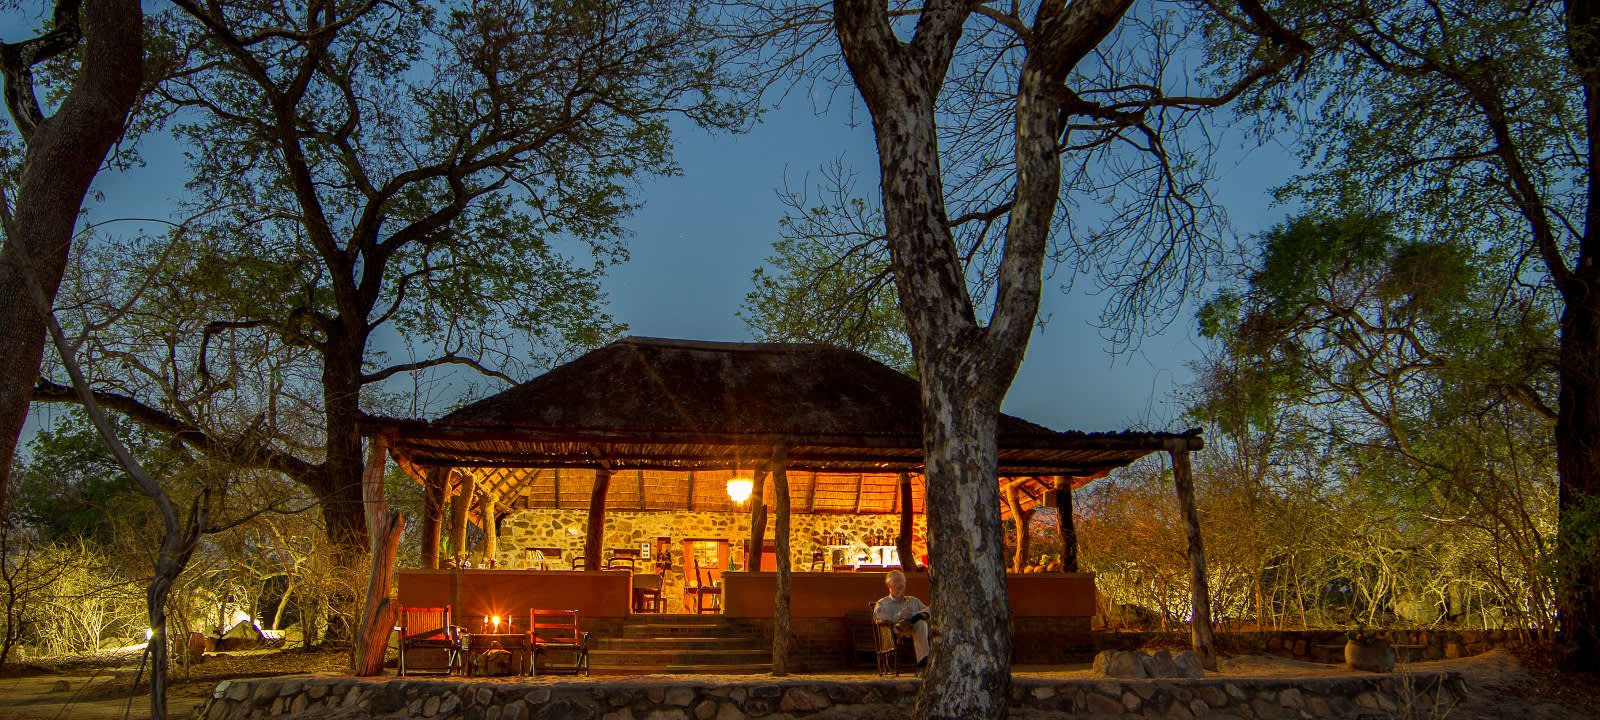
x=429 y=628
x=578 y=563
x=818 y=561
x=647 y=593
x=860 y=638
x=557 y=630
x=623 y=559
x=551 y=554
x=702 y=588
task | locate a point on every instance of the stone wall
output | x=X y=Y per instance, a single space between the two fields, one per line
x=1327 y=646
x=631 y=528
x=734 y=698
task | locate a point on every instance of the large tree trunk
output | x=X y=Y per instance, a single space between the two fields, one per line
x=902 y=542
x=64 y=151
x=1066 y=525
x=1205 y=645
x=594 y=539
x=384 y=527
x=432 y=513
x=1019 y=519
x=176 y=547
x=338 y=478
x=1578 y=414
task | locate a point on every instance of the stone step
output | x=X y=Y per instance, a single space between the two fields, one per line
x=632 y=630
x=678 y=643
x=731 y=669
x=669 y=657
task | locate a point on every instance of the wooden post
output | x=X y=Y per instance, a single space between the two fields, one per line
x=383 y=528
x=908 y=560
x=1066 y=524
x=459 y=505
x=594 y=541
x=491 y=534
x=780 y=603
x=433 y=490
x=1200 y=629
x=758 y=520
x=1019 y=561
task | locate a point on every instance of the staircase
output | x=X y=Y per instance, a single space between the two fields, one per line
x=696 y=644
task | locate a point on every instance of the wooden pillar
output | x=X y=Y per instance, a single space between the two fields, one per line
x=902 y=542
x=1066 y=524
x=383 y=528
x=758 y=520
x=594 y=541
x=459 y=507
x=433 y=491
x=1020 y=520
x=1200 y=628
x=780 y=604
x=491 y=534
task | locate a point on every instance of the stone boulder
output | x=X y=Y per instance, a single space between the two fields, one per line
x=1187 y=665
x=1120 y=664
x=1373 y=655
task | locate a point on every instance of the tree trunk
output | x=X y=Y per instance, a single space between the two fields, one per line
x=176 y=547
x=1019 y=519
x=339 y=480
x=1200 y=590
x=902 y=542
x=64 y=151
x=460 y=506
x=491 y=531
x=384 y=528
x=780 y=534
x=758 y=520
x=432 y=513
x=1066 y=525
x=594 y=541
x=1578 y=464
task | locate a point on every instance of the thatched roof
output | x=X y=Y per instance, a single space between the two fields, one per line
x=665 y=407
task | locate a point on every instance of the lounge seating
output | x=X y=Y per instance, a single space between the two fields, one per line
x=429 y=628
x=557 y=630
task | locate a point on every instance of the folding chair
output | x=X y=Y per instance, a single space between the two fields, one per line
x=557 y=630
x=429 y=628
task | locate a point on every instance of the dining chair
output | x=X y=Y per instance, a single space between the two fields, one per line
x=703 y=587
x=557 y=630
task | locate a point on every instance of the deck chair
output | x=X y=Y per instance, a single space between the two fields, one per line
x=860 y=639
x=429 y=628
x=703 y=588
x=557 y=630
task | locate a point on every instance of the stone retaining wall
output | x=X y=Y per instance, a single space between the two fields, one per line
x=732 y=698
x=1327 y=646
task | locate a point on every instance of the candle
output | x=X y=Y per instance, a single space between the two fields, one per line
x=497 y=623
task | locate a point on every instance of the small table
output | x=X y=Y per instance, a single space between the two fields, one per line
x=476 y=645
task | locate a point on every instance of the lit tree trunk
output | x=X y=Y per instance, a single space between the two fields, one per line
x=460 y=506
x=758 y=520
x=1200 y=590
x=384 y=527
x=902 y=542
x=594 y=540
x=491 y=533
x=780 y=533
x=1066 y=525
x=1020 y=518
x=64 y=151
x=964 y=366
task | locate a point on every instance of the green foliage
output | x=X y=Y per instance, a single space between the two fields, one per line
x=69 y=487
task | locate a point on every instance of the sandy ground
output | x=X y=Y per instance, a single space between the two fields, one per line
x=1502 y=685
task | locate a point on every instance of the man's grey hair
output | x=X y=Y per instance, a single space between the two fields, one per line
x=895 y=575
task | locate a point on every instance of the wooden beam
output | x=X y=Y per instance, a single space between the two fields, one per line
x=433 y=492
x=1019 y=519
x=811 y=494
x=780 y=604
x=1200 y=591
x=908 y=560
x=641 y=488
x=689 y=503
x=491 y=530
x=859 y=480
x=594 y=540
x=557 y=484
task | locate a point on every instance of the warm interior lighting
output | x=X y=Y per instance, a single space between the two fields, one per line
x=497 y=623
x=739 y=489
x=149 y=633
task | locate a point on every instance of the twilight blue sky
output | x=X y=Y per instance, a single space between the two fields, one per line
x=699 y=236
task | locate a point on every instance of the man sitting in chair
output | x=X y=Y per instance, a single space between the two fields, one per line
x=908 y=614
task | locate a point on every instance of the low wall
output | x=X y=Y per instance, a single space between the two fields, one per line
x=1327 y=646
x=734 y=698
x=483 y=593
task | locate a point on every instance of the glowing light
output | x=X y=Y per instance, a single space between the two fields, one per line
x=497 y=623
x=149 y=633
x=739 y=489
